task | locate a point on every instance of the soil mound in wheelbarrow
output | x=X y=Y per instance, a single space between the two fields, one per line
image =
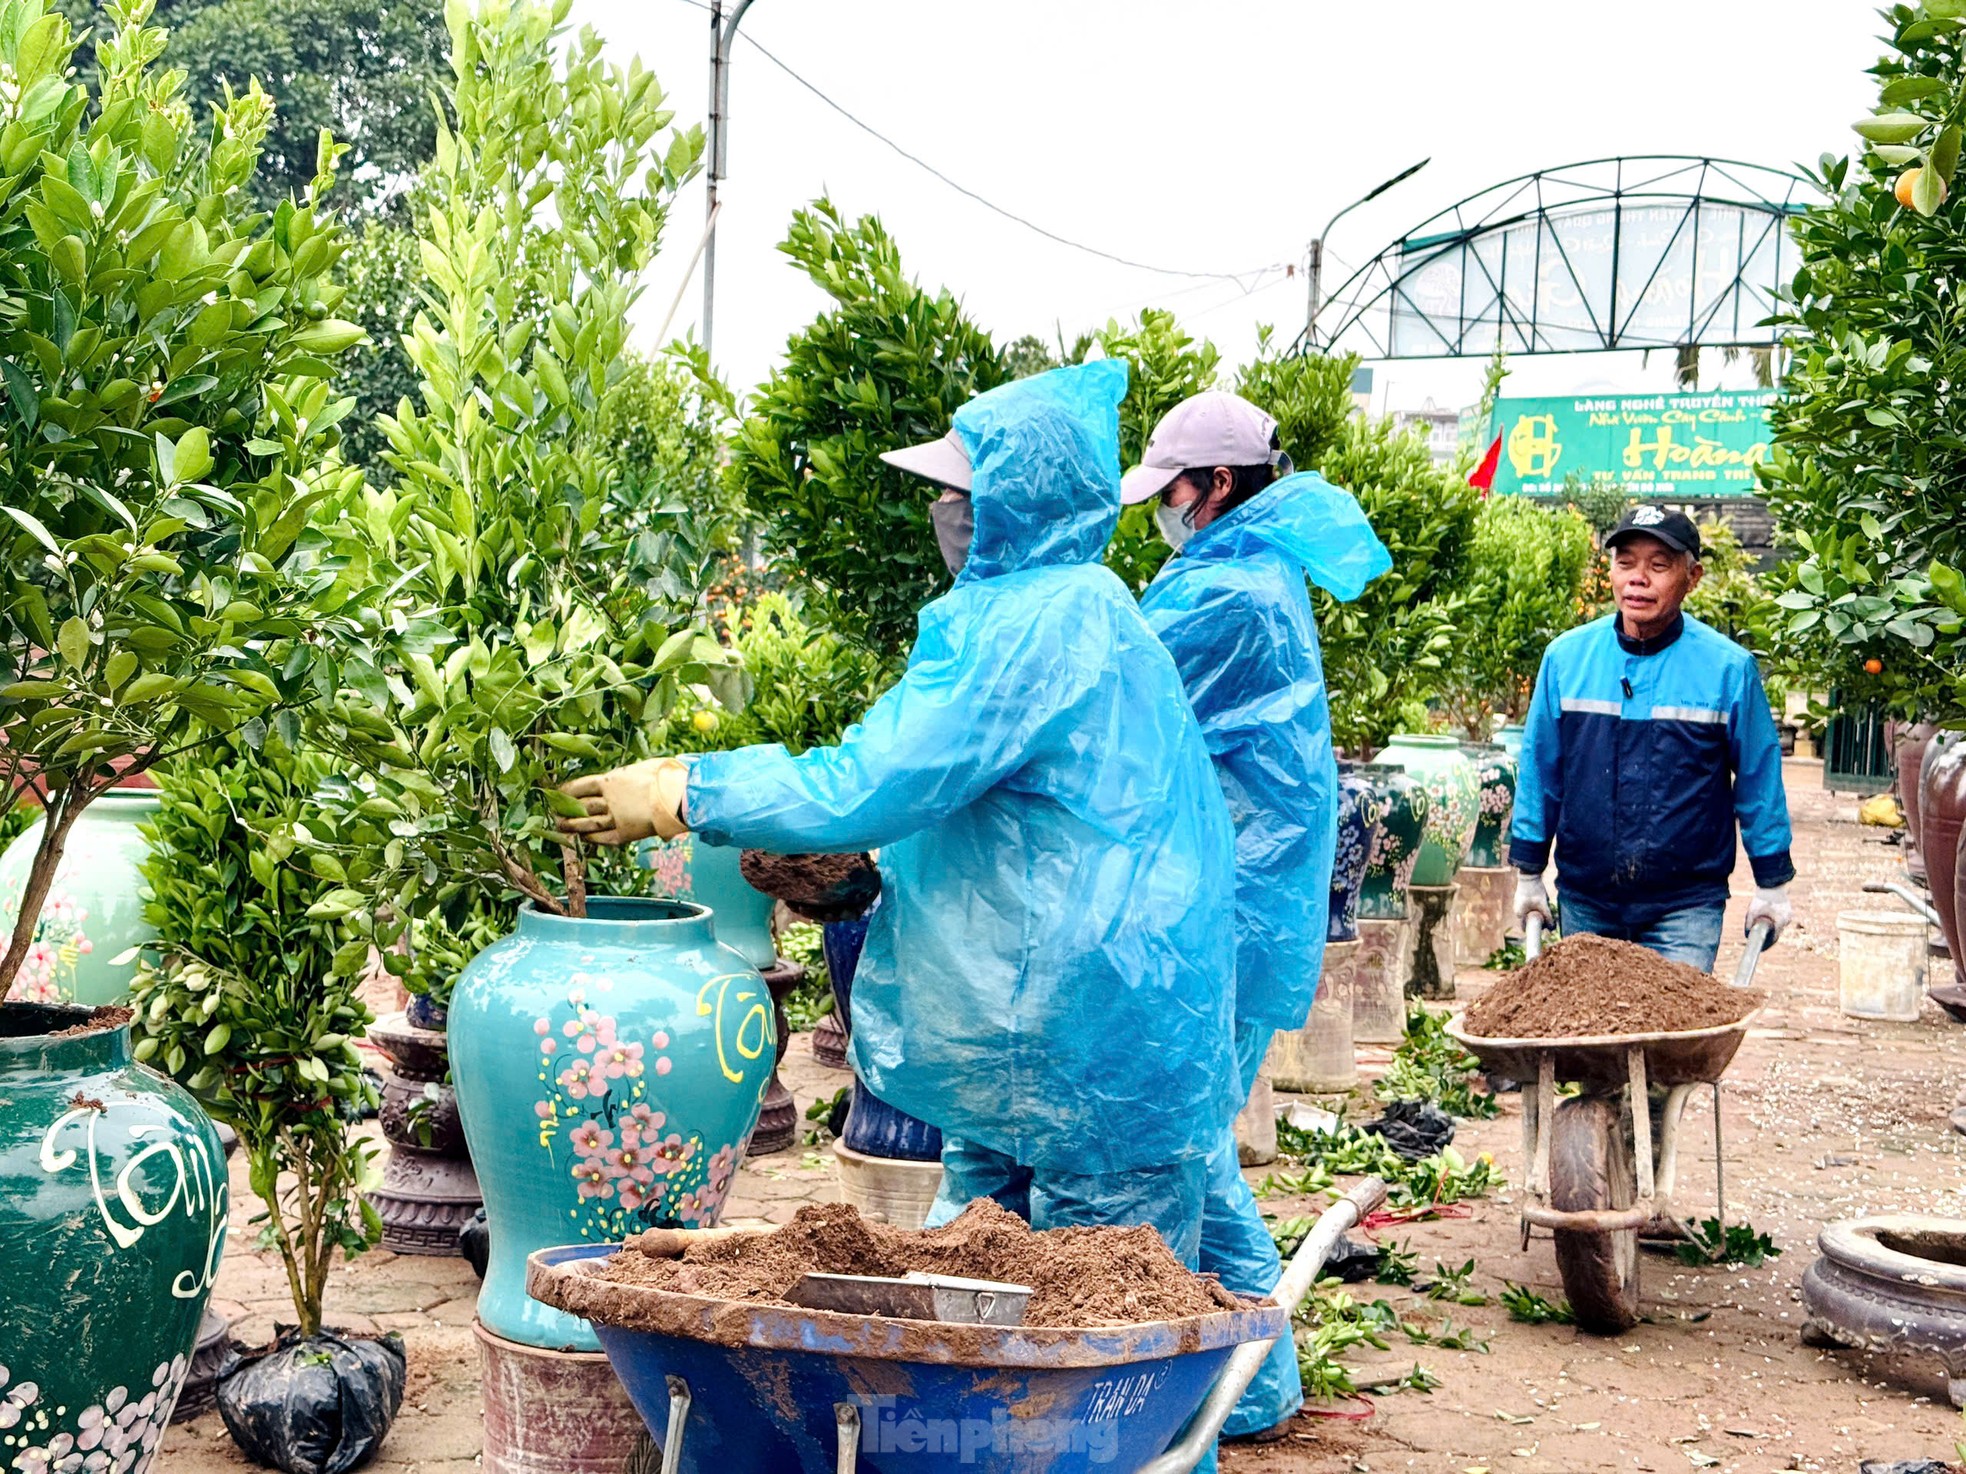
x=1588 y=985
x=1079 y=1277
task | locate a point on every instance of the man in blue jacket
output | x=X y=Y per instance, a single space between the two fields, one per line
x=1649 y=738
x=1233 y=608
x=1047 y=975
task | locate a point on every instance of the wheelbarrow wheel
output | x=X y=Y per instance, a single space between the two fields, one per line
x=1591 y=1170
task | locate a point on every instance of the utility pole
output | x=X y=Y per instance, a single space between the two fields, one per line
x=721 y=37
x=1316 y=271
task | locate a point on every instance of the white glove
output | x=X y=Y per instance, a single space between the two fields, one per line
x=1532 y=899
x=1771 y=904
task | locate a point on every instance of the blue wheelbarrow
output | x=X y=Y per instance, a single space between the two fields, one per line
x=731 y=1387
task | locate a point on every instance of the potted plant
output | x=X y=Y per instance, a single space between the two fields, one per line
x=608 y=1056
x=165 y=436
x=259 y=1022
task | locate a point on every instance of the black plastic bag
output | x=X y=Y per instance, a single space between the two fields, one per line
x=319 y=1405
x=1906 y=1466
x=1413 y=1128
x=1352 y=1261
x=474 y=1242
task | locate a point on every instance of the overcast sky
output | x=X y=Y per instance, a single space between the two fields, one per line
x=1209 y=137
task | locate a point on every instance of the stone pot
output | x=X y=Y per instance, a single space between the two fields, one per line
x=1453 y=802
x=94 y=910
x=1942 y=815
x=1892 y=1283
x=1910 y=749
x=1395 y=840
x=1495 y=773
x=112 y=1221
x=428 y=1187
x=609 y=1070
x=687 y=869
x=778 y=1117
x=1360 y=809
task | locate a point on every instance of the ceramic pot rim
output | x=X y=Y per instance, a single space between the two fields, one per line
x=627 y=920
x=1441 y=740
x=107 y=1045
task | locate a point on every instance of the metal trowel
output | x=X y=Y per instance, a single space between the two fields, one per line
x=915 y=1296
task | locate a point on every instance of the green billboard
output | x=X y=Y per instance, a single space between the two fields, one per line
x=1653 y=447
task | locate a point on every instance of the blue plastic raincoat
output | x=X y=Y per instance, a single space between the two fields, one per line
x=1233 y=609
x=1048 y=973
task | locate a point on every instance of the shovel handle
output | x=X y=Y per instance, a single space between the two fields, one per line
x=1532 y=937
x=672 y=1243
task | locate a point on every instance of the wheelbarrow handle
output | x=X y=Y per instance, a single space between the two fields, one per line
x=1759 y=936
x=1532 y=937
x=1247 y=1360
x=1910 y=898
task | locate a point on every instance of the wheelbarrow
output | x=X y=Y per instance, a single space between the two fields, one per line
x=1596 y=1176
x=733 y=1387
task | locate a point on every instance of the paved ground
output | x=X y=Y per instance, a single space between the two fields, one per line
x=1824 y=1118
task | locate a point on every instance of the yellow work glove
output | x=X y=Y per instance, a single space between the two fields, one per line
x=630 y=803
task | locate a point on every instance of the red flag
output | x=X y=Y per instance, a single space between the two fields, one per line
x=1484 y=474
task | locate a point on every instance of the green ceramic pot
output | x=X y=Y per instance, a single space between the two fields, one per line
x=94 y=911
x=711 y=875
x=112 y=1220
x=1395 y=846
x=1453 y=801
x=609 y=1070
x=1495 y=772
x=1510 y=738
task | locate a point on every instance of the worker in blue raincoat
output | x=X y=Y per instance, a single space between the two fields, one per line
x=1047 y=976
x=1233 y=608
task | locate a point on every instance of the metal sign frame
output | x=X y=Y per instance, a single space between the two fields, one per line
x=1711 y=230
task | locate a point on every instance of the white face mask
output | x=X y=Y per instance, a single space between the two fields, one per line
x=1175 y=528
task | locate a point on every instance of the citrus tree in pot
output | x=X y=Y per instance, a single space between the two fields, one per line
x=608 y=1057
x=165 y=436
x=250 y=999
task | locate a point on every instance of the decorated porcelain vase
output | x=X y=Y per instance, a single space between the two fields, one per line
x=609 y=1070
x=1453 y=801
x=1360 y=809
x=112 y=1221
x=1495 y=772
x=94 y=910
x=1395 y=844
x=710 y=875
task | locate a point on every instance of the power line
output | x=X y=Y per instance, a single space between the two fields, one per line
x=990 y=205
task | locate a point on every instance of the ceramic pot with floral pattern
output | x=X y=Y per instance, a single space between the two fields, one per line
x=112 y=1221
x=1360 y=809
x=1495 y=772
x=687 y=869
x=1395 y=842
x=94 y=910
x=609 y=1070
x=1453 y=801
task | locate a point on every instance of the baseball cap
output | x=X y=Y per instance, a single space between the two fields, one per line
x=1214 y=428
x=1674 y=529
x=944 y=461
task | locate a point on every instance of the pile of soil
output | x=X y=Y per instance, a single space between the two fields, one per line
x=1078 y=1276
x=1593 y=985
x=105 y=1016
x=819 y=887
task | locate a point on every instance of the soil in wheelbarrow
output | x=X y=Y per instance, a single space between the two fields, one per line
x=1078 y=1276
x=1587 y=985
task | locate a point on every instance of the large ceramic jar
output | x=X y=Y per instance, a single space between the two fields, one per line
x=94 y=910
x=1495 y=773
x=1360 y=808
x=687 y=869
x=1396 y=840
x=609 y=1069
x=1510 y=739
x=112 y=1220
x=1942 y=815
x=1453 y=801
x=1910 y=757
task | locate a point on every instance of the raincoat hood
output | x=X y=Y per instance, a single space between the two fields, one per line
x=1044 y=454
x=1309 y=521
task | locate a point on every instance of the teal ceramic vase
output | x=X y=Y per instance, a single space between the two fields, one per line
x=1495 y=773
x=1395 y=842
x=1453 y=801
x=609 y=1070
x=94 y=910
x=710 y=875
x=112 y=1220
x=1510 y=738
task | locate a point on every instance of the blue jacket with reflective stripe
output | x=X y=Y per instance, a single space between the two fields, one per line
x=1639 y=758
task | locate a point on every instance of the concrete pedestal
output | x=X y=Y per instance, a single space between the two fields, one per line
x=1430 y=972
x=889 y=1189
x=552 y=1412
x=1256 y=1125
x=1482 y=913
x=1320 y=1059
x=1379 y=981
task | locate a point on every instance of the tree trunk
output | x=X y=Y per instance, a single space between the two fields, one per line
x=573 y=865
x=58 y=819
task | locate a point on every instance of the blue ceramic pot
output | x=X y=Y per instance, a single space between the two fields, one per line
x=711 y=875
x=1359 y=813
x=609 y=1069
x=840 y=942
x=876 y=1129
x=1495 y=772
